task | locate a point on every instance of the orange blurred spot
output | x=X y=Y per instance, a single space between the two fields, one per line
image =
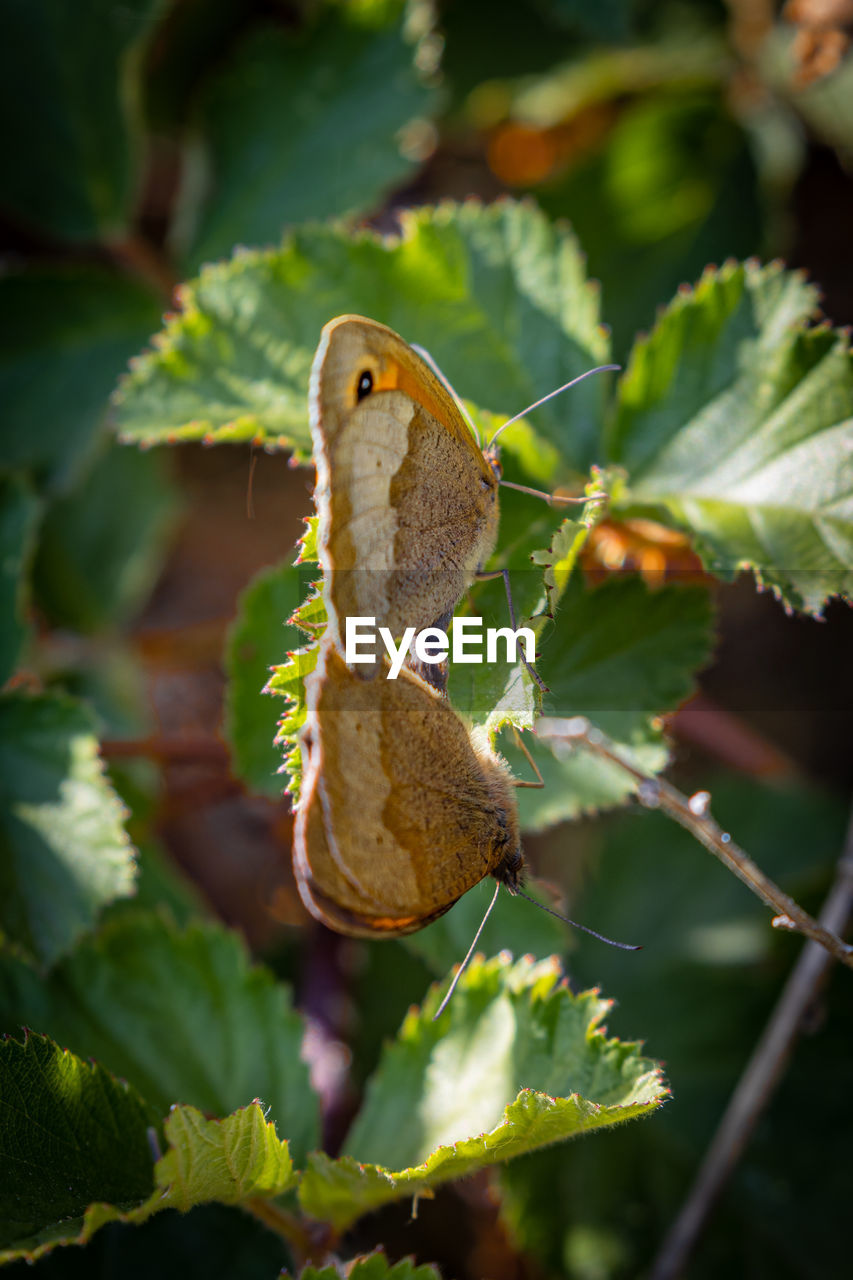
x=522 y=155
x=658 y=554
x=519 y=155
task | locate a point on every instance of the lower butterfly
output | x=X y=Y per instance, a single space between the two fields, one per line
x=400 y=812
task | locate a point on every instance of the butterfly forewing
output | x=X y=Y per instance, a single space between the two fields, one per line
x=407 y=502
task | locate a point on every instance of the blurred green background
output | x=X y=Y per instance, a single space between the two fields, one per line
x=144 y=138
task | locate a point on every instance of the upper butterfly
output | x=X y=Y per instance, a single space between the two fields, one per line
x=407 y=501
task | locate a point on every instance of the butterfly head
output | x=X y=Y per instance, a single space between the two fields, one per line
x=511 y=871
x=492 y=455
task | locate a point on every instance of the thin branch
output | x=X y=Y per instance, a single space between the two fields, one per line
x=194 y=749
x=694 y=815
x=759 y=1079
x=141 y=258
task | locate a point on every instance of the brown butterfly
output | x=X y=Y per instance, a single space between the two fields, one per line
x=408 y=503
x=407 y=499
x=400 y=812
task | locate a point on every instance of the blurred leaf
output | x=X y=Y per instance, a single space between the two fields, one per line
x=307 y=126
x=258 y=639
x=442 y=1082
x=609 y=20
x=701 y=989
x=65 y=335
x=181 y=1014
x=497 y=295
x=372 y=1266
x=736 y=418
x=826 y=106
x=64 y=852
x=620 y=654
x=517 y=37
x=672 y=188
x=112 y=686
x=191 y=40
x=89 y=582
x=160 y=884
x=70 y=132
x=19 y=513
x=71 y=1135
x=229 y=1161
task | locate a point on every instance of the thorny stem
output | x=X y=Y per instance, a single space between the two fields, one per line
x=759 y=1079
x=694 y=815
x=306 y=1245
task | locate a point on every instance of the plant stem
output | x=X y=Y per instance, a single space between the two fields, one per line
x=195 y=749
x=694 y=815
x=139 y=257
x=758 y=1081
x=305 y=1244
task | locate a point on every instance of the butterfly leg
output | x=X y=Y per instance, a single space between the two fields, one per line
x=485 y=575
x=522 y=746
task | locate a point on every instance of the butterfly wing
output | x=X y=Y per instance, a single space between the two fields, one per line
x=400 y=815
x=407 y=502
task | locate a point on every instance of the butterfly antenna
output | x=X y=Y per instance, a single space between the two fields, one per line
x=552 y=498
x=623 y=946
x=602 y=368
x=425 y=355
x=464 y=965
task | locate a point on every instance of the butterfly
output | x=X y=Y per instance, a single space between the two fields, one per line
x=407 y=501
x=401 y=812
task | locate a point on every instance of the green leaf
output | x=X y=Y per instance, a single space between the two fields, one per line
x=737 y=420
x=308 y=125
x=620 y=654
x=227 y=1161
x=71 y=1135
x=258 y=639
x=88 y=582
x=497 y=295
x=65 y=335
x=19 y=513
x=64 y=852
x=490 y=696
x=371 y=1266
x=445 y=1100
x=288 y=680
x=70 y=168
x=181 y=1014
